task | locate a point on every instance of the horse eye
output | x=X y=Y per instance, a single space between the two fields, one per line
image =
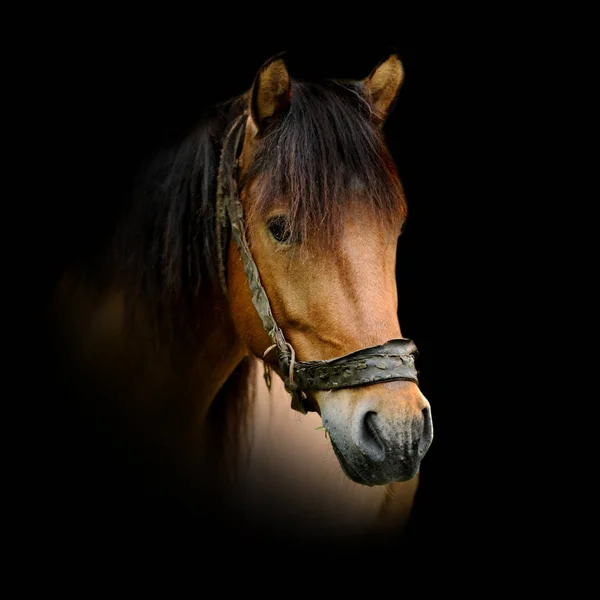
x=279 y=229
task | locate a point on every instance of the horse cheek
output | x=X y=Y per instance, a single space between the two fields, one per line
x=245 y=318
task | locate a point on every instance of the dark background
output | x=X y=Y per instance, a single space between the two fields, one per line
x=116 y=94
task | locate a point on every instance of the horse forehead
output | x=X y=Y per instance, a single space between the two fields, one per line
x=365 y=225
x=363 y=247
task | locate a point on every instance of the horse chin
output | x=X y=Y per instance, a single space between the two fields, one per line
x=370 y=478
x=348 y=470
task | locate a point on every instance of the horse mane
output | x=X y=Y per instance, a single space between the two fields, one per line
x=165 y=249
x=325 y=153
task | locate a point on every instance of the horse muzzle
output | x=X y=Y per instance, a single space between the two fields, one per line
x=379 y=433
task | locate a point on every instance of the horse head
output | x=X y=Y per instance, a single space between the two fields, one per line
x=321 y=208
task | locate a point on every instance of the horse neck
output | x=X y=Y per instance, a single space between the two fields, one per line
x=206 y=432
x=217 y=350
x=197 y=360
x=153 y=389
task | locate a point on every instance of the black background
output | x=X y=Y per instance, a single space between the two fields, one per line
x=116 y=93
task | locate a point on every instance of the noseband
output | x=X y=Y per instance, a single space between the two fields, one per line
x=392 y=361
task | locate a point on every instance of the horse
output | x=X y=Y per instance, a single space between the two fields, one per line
x=244 y=330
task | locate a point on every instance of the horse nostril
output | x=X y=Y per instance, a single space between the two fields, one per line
x=369 y=438
x=427 y=434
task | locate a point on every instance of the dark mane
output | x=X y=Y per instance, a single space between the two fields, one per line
x=326 y=152
x=165 y=247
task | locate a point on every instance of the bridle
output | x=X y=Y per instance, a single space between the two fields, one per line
x=392 y=361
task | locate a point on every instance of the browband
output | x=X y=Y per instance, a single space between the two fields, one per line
x=392 y=361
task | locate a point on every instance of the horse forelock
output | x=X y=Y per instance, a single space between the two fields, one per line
x=324 y=154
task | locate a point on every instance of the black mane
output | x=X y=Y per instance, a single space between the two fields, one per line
x=326 y=151
x=165 y=247
x=324 y=154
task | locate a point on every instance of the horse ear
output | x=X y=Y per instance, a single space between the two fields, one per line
x=271 y=92
x=384 y=83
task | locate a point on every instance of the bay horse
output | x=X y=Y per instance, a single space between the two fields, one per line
x=254 y=265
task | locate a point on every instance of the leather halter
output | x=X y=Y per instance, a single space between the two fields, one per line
x=392 y=361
